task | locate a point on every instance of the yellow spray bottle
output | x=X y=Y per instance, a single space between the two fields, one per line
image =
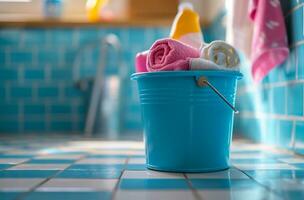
x=93 y=8
x=186 y=26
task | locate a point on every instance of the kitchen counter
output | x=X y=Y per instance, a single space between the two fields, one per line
x=77 y=168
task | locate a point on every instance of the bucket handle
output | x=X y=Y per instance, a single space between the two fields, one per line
x=202 y=81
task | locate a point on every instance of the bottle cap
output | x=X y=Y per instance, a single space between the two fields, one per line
x=185 y=5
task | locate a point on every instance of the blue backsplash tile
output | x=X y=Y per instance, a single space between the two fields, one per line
x=299 y=136
x=280 y=118
x=9 y=126
x=38 y=81
x=9 y=37
x=289 y=68
x=300 y=51
x=295 y=99
x=48 y=56
x=33 y=37
x=18 y=56
x=61 y=74
x=8 y=73
x=20 y=92
x=269 y=130
x=278 y=100
x=35 y=126
x=34 y=109
x=297 y=24
x=64 y=37
x=34 y=74
x=63 y=109
x=294 y=3
x=48 y=91
x=62 y=125
x=2 y=56
x=71 y=92
x=9 y=109
x=285 y=133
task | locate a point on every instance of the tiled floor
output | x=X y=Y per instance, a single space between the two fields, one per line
x=33 y=169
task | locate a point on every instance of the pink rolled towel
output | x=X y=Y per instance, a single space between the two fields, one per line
x=170 y=55
x=141 y=61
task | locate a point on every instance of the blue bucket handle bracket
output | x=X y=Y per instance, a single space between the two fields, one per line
x=202 y=81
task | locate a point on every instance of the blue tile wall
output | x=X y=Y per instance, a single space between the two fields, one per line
x=37 y=88
x=216 y=30
x=273 y=112
x=299 y=137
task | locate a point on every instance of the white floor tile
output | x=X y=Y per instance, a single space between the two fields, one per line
x=283 y=184
x=241 y=146
x=102 y=161
x=292 y=160
x=248 y=156
x=62 y=185
x=149 y=174
x=12 y=161
x=118 y=152
x=40 y=167
x=18 y=184
x=153 y=195
x=21 y=152
x=107 y=144
x=5 y=149
x=265 y=166
x=226 y=174
x=252 y=194
x=60 y=156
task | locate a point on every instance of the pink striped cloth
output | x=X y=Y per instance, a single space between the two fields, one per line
x=269 y=44
x=170 y=55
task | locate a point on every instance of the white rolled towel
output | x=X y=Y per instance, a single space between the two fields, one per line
x=201 y=64
x=197 y=64
x=221 y=53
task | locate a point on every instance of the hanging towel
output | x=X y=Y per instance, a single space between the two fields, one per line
x=141 y=61
x=170 y=55
x=269 y=44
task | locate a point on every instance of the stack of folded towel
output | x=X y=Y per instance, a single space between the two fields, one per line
x=185 y=49
x=172 y=55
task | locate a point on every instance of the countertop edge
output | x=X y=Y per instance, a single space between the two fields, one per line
x=53 y=23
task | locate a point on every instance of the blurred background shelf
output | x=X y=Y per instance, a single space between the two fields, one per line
x=15 y=13
x=23 y=21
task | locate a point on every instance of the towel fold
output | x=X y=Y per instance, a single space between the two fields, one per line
x=197 y=64
x=141 y=61
x=221 y=54
x=202 y=64
x=170 y=55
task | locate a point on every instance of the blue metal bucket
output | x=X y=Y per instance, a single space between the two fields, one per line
x=187 y=126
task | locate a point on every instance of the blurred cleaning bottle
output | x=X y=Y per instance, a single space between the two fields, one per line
x=93 y=9
x=186 y=26
x=52 y=8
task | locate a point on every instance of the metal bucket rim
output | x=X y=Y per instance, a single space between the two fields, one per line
x=208 y=73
